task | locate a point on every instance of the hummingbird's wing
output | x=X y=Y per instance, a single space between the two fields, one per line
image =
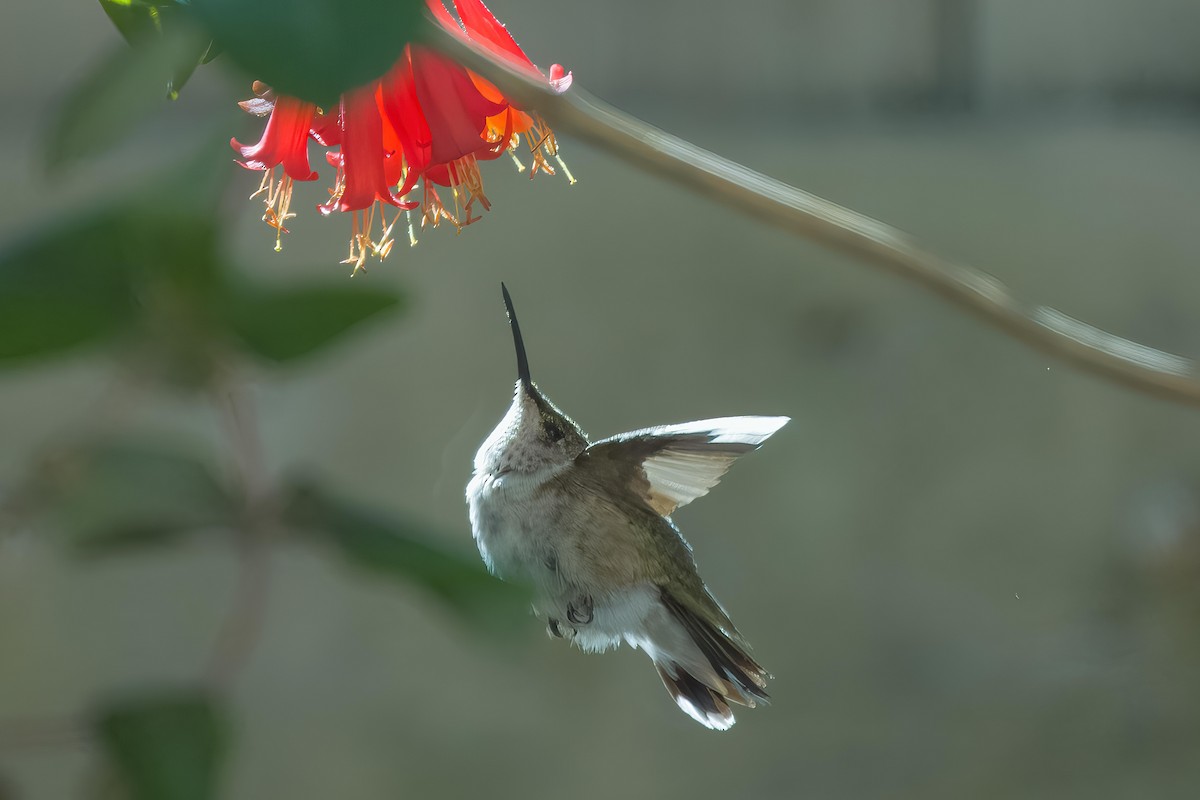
x=671 y=465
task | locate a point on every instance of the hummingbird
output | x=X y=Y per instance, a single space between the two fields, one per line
x=588 y=525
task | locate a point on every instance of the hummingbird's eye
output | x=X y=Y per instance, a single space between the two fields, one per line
x=554 y=432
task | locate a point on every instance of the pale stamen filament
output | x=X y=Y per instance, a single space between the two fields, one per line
x=386 y=242
x=565 y=169
x=412 y=234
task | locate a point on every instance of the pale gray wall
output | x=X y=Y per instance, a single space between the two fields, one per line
x=1123 y=49
x=877 y=55
x=972 y=570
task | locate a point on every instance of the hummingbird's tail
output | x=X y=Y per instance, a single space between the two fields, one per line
x=704 y=667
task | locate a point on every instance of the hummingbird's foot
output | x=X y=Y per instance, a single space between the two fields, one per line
x=580 y=611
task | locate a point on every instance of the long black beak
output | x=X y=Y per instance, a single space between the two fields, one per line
x=522 y=359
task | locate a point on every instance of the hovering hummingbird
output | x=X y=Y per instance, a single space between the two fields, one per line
x=588 y=525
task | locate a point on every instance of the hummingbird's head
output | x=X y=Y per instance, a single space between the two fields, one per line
x=534 y=435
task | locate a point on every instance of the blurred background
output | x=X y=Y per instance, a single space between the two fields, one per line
x=971 y=570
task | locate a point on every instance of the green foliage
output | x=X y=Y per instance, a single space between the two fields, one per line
x=142 y=21
x=166 y=746
x=283 y=324
x=402 y=550
x=120 y=92
x=314 y=50
x=85 y=281
x=54 y=297
x=146 y=271
x=114 y=495
x=100 y=276
x=91 y=279
x=142 y=276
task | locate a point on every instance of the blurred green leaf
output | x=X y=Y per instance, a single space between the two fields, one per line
x=195 y=186
x=166 y=746
x=179 y=282
x=148 y=267
x=135 y=20
x=213 y=51
x=37 y=324
x=120 y=92
x=95 y=278
x=144 y=261
x=403 y=551
x=286 y=323
x=62 y=288
x=313 y=50
x=115 y=495
x=184 y=70
x=140 y=21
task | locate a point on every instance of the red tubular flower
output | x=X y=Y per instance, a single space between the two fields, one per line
x=362 y=171
x=428 y=117
x=454 y=110
x=479 y=25
x=284 y=142
x=361 y=180
x=402 y=111
x=415 y=137
x=482 y=26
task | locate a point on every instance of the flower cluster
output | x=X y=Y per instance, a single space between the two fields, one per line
x=424 y=125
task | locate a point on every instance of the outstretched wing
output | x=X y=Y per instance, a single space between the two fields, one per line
x=672 y=465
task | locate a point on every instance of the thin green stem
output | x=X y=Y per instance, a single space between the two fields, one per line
x=243 y=623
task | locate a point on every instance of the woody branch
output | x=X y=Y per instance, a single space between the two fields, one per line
x=1071 y=341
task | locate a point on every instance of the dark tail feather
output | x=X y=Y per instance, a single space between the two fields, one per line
x=743 y=680
x=700 y=702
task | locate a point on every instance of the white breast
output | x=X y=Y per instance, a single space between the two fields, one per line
x=499 y=509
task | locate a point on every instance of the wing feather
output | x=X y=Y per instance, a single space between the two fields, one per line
x=679 y=463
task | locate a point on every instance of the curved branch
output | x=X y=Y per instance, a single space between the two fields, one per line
x=243 y=624
x=1071 y=341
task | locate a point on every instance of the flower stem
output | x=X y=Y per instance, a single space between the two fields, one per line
x=243 y=624
x=1073 y=342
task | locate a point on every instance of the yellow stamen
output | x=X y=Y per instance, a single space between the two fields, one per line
x=277 y=203
x=465 y=172
x=339 y=186
x=434 y=211
x=542 y=143
x=535 y=151
x=264 y=185
x=412 y=235
x=566 y=171
x=386 y=241
x=454 y=191
x=358 y=253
